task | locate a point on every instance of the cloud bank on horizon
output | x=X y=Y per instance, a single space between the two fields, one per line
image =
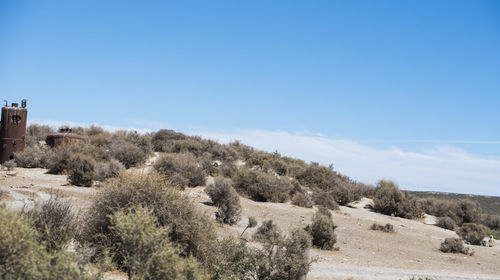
x=439 y=168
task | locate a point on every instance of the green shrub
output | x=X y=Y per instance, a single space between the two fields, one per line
x=141 y=246
x=473 y=233
x=389 y=200
x=453 y=245
x=325 y=200
x=226 y=200
x=263 y=187
x=22 y=257
x=325 y=179
x=33 y=157
x=55 y=222
x=127 y=153
x=183 y=170
x=386 y=228
x=81 y=170
x=107 y=170
x=322 y=231
x=302 y=200
x=446 y=223
x=190 y=231
x=268 y=232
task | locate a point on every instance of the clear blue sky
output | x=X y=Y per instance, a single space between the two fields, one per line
x=414 y=76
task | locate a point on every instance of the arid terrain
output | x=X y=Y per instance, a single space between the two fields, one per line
x=412 y=251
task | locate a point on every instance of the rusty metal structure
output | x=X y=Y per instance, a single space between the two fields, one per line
x=12 y=130
x=65 y=136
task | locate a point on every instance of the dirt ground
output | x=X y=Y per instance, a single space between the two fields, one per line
x=412 y=251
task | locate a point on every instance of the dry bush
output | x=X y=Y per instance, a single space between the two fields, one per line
x=462 y=211
x=3 y=194
x=107 y=170
x=384 y=228
x=324 y=211
x=322 y=231
x=268 y=232
x=492 y=221
x=226 y=200
x=446 y=223
x=55 y=222
x=9 y=165
x=81 y=170
x=35 y=156
x=302 y=200
x=283 y=166
x=454 y=245
x=127 y=153
x=182 y=169
x=142 y=247
x=263 y=187
x=190 y=231
x=23 y=257
x=36 y=134
x=321 y=178
x=389 y=200
x=469 y=211
x=60 y=156
x=325 y=200
x=473 y=233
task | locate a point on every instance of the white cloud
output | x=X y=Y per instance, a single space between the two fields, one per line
x=439 y=168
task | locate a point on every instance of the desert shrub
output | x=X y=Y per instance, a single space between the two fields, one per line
x=81 y=170
x=263 y=187
x=164 y=136
x=252 y=222
x=441 y=208
x=127 y=153
x=36 y=133
x=322 y=231
x=389 y=200
x=473 y=233
x=302 y=200
x=469 y=211
x=33 y=157
x=142 y=246
x=3 y=194
x=325 y=200
x=226 y=199
x=283 y=166
x=182 y=169
x=446 y=223
x=190 y=231
x=384 y=228
x=22 y=257
x=492 y=221
x=321 y=178
x=324 y=211
x=106 y=170
x=267 y=232
x=453 y=245
x=55 y=222
x=9 y=165
x=60 y=156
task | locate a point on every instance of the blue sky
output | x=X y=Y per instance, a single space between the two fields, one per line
x=403 y=90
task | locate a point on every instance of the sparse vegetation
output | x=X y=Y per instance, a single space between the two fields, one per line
x=473 y=233
x=183 y=169
x=268 y=232
x=302 y=200
x=263 y=187
x=322 y=231
x=446 y=223
x=81 y=170
x=384 y=228
x=390 y=200
x=33 y=157
x=454 y=245
x=226 y=199
x=107 y=170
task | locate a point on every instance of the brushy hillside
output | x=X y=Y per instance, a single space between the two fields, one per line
x=489 y=204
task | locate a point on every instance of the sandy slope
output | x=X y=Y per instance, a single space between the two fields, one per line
x=364 y=254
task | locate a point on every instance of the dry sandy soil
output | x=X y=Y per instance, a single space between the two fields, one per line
x=412 y=251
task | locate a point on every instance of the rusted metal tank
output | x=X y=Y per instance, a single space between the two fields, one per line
x=12 y=130
x=63 y=137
